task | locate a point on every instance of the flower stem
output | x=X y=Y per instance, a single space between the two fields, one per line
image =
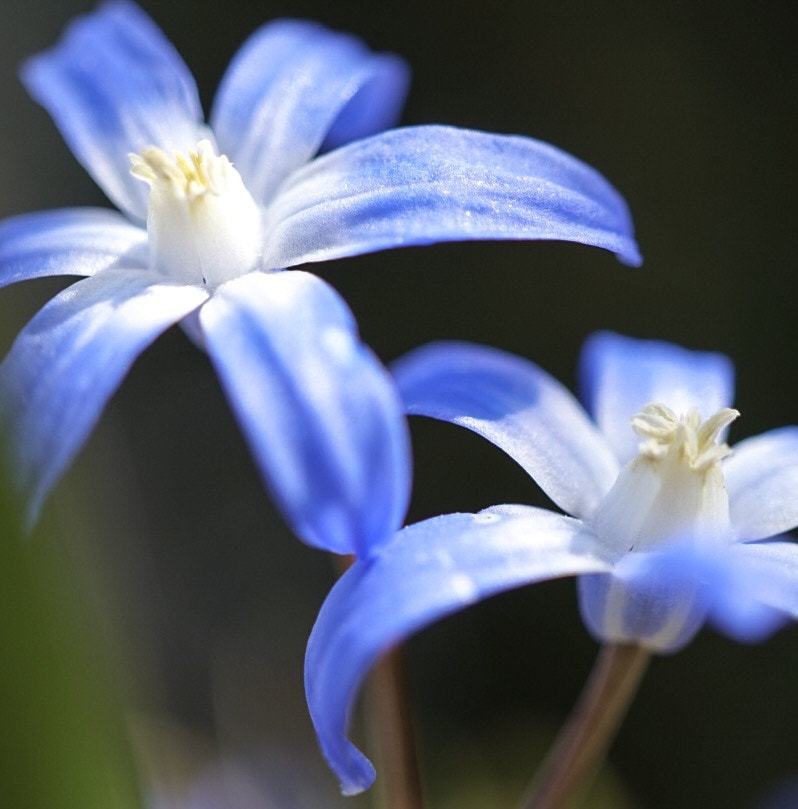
x=391 y=728
x=393 y=732
x=589 y=731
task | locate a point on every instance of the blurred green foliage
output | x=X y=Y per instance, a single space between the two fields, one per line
x=62 y=743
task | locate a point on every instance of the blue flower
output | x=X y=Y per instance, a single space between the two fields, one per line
x=209 y=213
x=666 y=528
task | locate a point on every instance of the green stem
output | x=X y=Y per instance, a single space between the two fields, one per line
x=584 y=739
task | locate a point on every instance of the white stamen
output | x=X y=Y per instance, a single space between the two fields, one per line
x=695 y=441
x=204 y=227
x=672 y=492
x=674 y=488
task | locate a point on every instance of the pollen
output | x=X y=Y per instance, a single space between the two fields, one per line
x=195 y=174
x=687 y=437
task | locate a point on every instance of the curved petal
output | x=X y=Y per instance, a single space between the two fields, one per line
x=321 y=414
x=114 y=85
x=654 y=599
x=433 y=183
x=519 y=408
x=71 y=241
x=769 y=574
x=67 y=362
x=620 y=375
x=427 y=571
x=294 y=86
x=762 y=482
x=746 y=590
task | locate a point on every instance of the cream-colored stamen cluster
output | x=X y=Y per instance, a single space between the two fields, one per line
x=674 y=487
x=200 y=173
x=204 y=226
x=692 y=440
x=673 y=491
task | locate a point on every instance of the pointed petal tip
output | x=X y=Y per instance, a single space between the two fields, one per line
x=420 y=185
x=428 y=570
x=320 y=412
x=69 y=360
x=630 y=255
x=361 y=775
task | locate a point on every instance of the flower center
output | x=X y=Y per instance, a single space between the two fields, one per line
x=673 y=489
x=204 y=226
x=695 y=442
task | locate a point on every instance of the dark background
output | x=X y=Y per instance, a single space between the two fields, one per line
x=186 y=573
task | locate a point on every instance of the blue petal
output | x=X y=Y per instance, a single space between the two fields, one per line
x=620 y=375
x=114 y=85
x=295 y=86
x=431 y=184
x=72 y=241
x=67 y=362
x=762 y=483
x=760 y=591
x=519 y=408
x=321 y=414
x=782 y=795
x=427 y=571
x=644 y=602
x=661 y=598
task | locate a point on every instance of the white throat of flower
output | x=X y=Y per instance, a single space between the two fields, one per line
x=674 y=488
x=204 y=226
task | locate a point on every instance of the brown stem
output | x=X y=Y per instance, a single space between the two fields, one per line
x=393 y=730
x=591 y=727
x=391 y=727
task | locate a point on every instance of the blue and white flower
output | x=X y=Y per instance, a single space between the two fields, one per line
x=666 y=527
x=208 y=215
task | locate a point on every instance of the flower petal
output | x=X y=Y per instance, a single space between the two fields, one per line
x=653 y=599
x=519 y=408
x=425 y=572
x=321 y=414
x=746 y=590
x=762 y=482
x=433 y=183
x=67 y=362
x=766 y=580
x=294 y=86
x=71 y=241
x=620 y=375
x=114 y=85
